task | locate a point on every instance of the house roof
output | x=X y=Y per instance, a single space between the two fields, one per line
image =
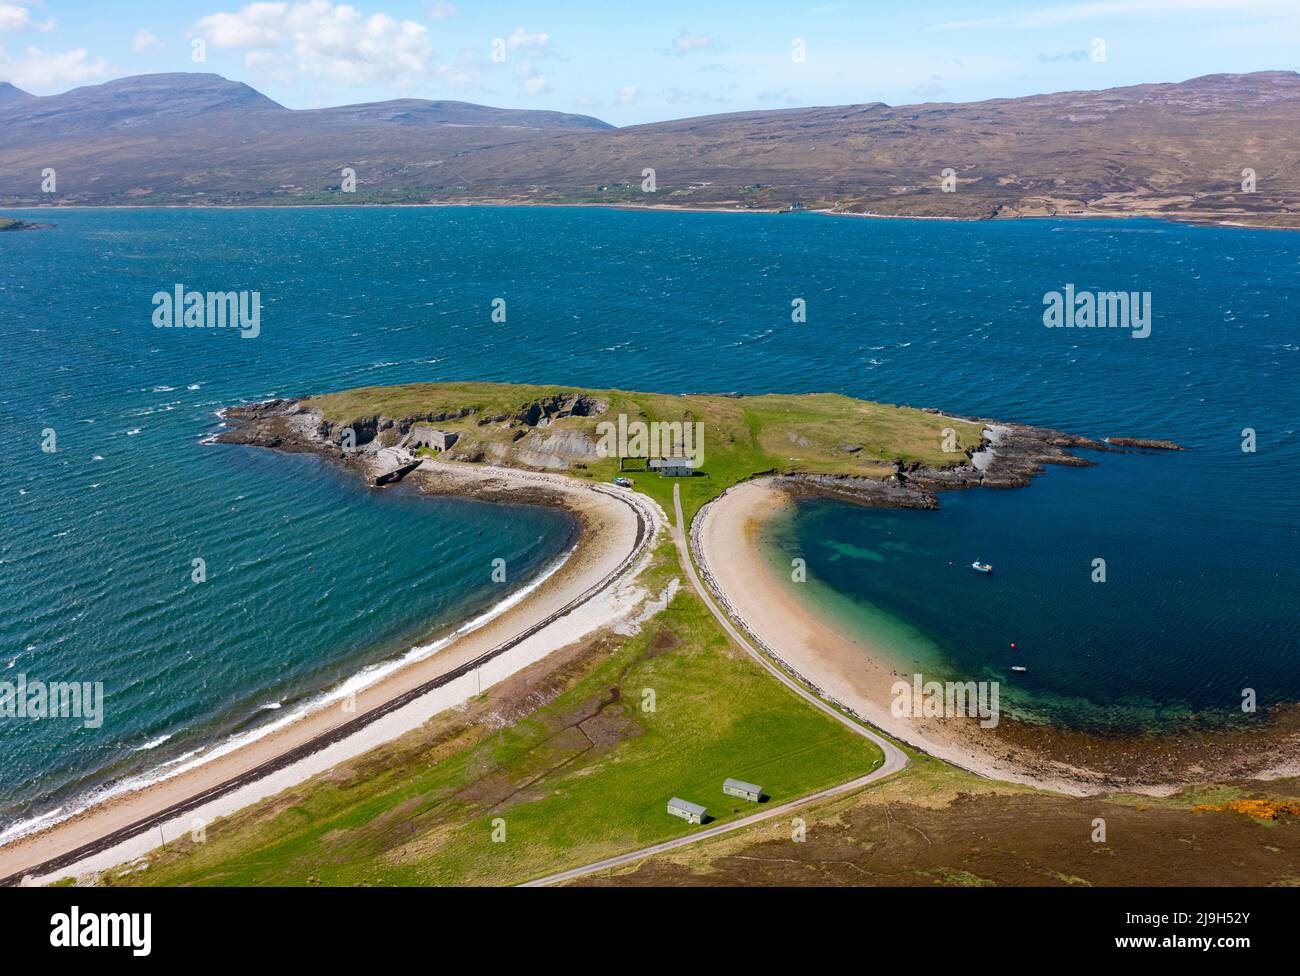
x=688 y=806
x=740 y=784
x=677 y=462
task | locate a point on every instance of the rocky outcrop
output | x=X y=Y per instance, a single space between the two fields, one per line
x=1145 y=442
x=870 y=492
x=1008 y=456
x=296 y=425
x=544 y=412
x=9 y=223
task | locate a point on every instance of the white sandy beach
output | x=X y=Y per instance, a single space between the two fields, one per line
x=849 y=670
x=844 y=668
x=597 y=582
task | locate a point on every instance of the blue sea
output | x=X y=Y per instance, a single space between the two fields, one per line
x=311 y=577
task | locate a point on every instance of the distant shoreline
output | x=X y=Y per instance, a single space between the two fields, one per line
x=1232 y=221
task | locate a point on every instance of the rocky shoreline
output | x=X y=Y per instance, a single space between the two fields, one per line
x=1009 y=456
x=285 y=425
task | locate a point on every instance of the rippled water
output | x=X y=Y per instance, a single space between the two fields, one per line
x=311 y=576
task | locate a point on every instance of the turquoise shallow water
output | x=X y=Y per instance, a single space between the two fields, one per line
x=313 y=577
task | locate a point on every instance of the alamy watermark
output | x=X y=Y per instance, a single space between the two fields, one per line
x=946 y=699
x=653 y=439
x=1073 y=309
x=181 y=309
x=35 y=699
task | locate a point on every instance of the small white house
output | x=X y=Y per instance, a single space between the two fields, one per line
x=742 y=790
x=674 y=467
x=690 y=812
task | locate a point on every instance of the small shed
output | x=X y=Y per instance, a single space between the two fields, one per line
x=674 y=467
x=424 y=436
x=690 y=812
x=743 y=790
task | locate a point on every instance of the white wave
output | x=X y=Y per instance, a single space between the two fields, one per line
x=152 y=743
x=16 y=830
x=350 y=686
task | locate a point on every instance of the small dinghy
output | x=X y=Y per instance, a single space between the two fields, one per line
x=1017 y=667
x=980 y=567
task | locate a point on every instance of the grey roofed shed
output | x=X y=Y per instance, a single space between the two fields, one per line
x=746 y=791
x=692 y=812
x=676 y=466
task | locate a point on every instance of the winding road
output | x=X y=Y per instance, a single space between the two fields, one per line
x=894 y=758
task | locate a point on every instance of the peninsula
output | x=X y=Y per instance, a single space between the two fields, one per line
x=688 y=507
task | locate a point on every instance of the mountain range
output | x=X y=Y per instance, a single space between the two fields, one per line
x=1215 y=148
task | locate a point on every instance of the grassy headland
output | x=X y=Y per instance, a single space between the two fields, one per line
x=819 y=433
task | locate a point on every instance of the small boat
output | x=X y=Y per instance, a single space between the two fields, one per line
x=1017 y=667
x=980 y=567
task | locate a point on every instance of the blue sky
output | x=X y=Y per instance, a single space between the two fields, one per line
x=640 y=62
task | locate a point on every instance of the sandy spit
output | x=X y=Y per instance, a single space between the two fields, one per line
x=596 y=587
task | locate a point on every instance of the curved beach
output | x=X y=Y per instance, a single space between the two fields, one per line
x=593 y=587
x=851 y=671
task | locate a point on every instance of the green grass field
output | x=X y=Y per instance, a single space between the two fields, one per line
x=585 y=776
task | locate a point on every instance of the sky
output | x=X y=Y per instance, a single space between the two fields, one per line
x=630 y=62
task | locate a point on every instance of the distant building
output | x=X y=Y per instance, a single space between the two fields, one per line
x=675 y=467
x=743 y=790
x=422 y=436
x=690 y=812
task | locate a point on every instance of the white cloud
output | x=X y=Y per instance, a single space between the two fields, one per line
x=685 y=43
x=526 y=47
x=257 y=25
x=441 y=9
x=38 y=70
x=333 y=41
x=16 y=17
x=525 y=43
x=145 y=41
x=627 y=95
